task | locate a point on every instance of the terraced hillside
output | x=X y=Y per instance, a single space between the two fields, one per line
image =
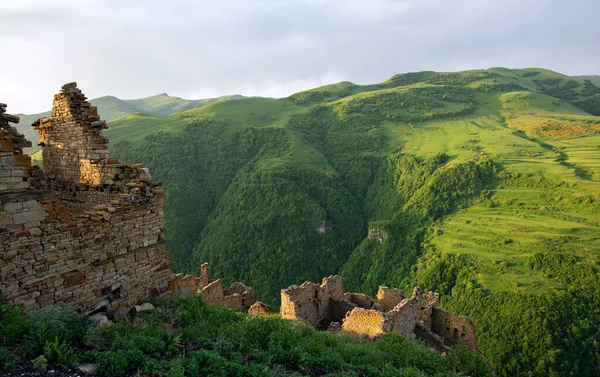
x=483 y=185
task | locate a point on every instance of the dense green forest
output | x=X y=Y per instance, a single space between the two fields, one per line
x=482 y=185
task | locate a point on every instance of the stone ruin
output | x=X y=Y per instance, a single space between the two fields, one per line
x=237 y=296
x=326 y=306
x=86 y=230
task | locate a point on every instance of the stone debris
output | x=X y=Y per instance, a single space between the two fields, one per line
x=334 y=327
x=325 y=306
x=86 y=368
x=145 y=307
x=86 y=230
x=258 y=309
x=97 y=319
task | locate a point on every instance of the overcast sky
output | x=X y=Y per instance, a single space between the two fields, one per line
x=204 y=48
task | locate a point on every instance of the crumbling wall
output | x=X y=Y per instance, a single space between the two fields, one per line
x=391 y=312
x=65 y=240
x=311 y=302
x=258 y=309
x=74 y=148
x=362 y=301
x=237 y=296
x=389 y=298
x=87 y=231
x=369 y=322
x=183 y=285
x=453 y=328
x=404 y=317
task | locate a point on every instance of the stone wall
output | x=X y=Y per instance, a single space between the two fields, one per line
x=419 y=316
x=311 y=302
x=453 y=328
x=74 y=149
x=86 y=231
x=237 y=296
x=77 y=233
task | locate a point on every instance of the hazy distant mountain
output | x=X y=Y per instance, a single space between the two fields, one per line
x=111 y=108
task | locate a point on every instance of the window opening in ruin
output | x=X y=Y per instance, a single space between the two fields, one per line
x=455 y=334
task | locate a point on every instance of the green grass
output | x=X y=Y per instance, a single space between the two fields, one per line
x=185 y=336
x=136 y=127
x=594 y=79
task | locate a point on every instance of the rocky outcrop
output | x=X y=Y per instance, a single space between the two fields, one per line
x=324 y=306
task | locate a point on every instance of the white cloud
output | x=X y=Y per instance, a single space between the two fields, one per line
x=189 y=48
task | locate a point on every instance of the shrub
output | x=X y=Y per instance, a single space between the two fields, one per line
x=59 y=354
x=8 y=361
x=40 y=363
x=54 y=322
x=467 y=362
x=116 y=363
x=13 y=325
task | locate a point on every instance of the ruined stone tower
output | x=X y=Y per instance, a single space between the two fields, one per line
x=74 y=149
x=86 y=231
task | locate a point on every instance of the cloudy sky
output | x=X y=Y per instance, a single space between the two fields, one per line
x=204 y=48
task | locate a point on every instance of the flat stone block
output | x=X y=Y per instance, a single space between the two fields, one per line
x=27 y=217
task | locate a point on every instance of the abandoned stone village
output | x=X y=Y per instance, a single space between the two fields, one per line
x=88 y=231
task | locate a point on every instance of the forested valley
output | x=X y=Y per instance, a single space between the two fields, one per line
x=481 y=185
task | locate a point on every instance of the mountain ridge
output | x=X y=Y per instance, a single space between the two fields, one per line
x=483 y=185
x=111 y=108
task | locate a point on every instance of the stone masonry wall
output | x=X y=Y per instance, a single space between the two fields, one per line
x=453 y=328
x=86 y=231
x=74 y=149
x=311 y=302
x=68 y=236
x=360 y=314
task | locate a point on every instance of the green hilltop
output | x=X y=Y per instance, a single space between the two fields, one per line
x=593 y=79
x=110 y=108
x=483 y=185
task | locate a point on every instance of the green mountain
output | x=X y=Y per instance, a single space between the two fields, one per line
x=110 y=108
x=482 y=185
x=593 y=79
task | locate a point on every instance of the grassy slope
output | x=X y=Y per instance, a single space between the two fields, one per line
x=186 y=337
x=594 y=79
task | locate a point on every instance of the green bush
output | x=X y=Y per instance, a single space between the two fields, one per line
x=120 y=362
x=13 y=324
x=51 y=323
x=467 y=362
x=8 y=361
x=59 y=354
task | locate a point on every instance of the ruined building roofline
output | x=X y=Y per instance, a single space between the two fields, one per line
x=325 y=306
x=72 y=104
x=75 y=150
